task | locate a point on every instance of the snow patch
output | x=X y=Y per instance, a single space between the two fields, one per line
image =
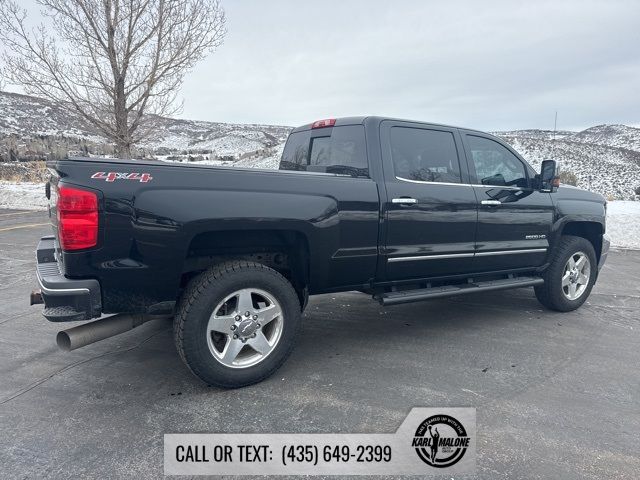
x=23 y=196
x=623 y=224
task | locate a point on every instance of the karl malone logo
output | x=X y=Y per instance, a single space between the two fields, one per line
x=440 y=441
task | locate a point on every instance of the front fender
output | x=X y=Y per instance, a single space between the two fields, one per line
x=577 y=207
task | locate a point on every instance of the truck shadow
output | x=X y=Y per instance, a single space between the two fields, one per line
x=357 y=313
x=343 y=335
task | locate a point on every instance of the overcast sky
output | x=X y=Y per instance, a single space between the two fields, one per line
x=479 y=64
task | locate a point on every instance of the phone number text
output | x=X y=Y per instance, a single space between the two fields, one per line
x=313 y=454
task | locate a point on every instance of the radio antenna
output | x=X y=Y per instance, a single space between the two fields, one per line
x=555 y=126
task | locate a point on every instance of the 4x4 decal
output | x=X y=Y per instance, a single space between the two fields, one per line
x=113 y=176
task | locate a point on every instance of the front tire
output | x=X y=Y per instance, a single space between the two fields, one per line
x=237 y=323
x=571 y=275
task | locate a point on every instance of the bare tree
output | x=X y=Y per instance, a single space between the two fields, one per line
x=117 y=62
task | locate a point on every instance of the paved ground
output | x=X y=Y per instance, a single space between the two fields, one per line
x=557 y=395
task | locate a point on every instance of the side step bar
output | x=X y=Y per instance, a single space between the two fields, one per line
x=406 y=296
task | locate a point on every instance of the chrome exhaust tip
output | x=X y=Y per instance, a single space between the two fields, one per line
x=101 y=329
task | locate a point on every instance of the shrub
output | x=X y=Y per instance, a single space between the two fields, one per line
x=568 y=178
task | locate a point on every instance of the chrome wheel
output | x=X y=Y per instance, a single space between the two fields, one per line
x=244 y=328
x=575 y=278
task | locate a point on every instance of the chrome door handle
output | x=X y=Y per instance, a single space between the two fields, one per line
x=491 y=202
x=404 y=200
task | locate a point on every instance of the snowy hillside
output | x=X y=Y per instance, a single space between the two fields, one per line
x=22 y=116
x=620 y=136
x=605 y=159
x=33 y=127
x=218 y=139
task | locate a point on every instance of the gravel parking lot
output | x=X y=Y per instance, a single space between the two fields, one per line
x=557 y=395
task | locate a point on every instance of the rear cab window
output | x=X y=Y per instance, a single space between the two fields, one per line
x=338 y=150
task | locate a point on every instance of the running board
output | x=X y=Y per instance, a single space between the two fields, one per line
x=406 y=296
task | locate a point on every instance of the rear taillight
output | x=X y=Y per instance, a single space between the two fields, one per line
x=77 y=218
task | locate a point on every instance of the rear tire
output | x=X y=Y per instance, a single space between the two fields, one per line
x=218 y=341
x=570 y=277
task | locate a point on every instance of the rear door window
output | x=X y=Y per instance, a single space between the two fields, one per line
x=339 y=150
x=424 y=155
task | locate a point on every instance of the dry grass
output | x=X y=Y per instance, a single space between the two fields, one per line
x=23 y=172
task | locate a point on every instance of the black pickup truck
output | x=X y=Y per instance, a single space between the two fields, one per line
x=400 y=210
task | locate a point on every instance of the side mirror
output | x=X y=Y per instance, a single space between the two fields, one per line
x=549 y=179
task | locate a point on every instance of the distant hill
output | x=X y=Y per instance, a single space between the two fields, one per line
x=38 y=127
x=604 y=158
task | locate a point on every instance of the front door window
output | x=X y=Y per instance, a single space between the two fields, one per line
x=495 y=164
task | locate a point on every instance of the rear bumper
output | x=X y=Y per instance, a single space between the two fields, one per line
x=65 y=299
x=606 y=244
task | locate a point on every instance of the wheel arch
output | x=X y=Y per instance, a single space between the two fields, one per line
x=286 y=251
x=590 y=230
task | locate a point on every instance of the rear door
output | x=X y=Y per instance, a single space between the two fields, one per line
x=334 y=171
x=514 y=220
x=431 y=208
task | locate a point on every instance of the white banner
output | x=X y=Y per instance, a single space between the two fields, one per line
x=430 y=441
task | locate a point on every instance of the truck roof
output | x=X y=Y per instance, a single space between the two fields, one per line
x=362 y=119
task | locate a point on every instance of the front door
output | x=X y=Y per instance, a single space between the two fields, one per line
x=431 y=207
x=514 y=219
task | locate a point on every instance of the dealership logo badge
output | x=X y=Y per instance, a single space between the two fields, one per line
x=441 y=441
